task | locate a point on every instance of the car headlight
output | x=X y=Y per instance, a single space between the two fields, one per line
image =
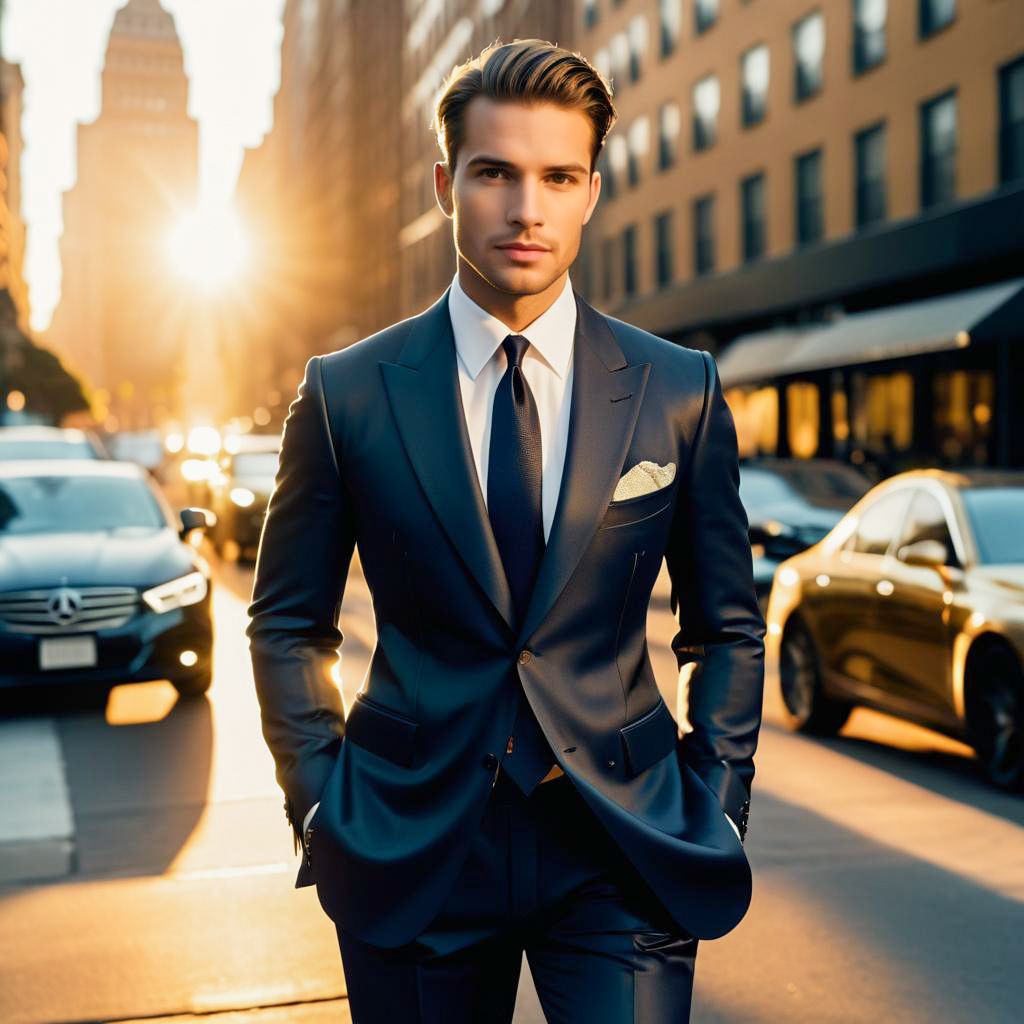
x=179 y=593
x=242 y=496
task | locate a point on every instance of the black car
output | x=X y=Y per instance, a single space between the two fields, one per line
x=97 y=583
x=791 y=504
x=239 y=494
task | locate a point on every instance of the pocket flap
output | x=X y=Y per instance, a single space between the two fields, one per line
x=381 y=730
x=650 y=737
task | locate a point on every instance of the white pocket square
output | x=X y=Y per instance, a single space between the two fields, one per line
x=643 y=478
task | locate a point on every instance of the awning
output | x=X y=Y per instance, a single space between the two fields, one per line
x=750 y=357
x=911 y=328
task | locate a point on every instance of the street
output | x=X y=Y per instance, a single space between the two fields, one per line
x=889 y=878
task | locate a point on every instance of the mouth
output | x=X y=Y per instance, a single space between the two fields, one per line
x=523 y=253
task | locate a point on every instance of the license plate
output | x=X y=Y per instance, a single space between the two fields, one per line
x=67 y=652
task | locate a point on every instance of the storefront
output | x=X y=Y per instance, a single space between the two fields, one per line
x=935 y=382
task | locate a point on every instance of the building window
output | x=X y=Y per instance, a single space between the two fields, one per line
x=963 y=403
x=607 y=267
x=590 y=13
x=618 y=159
x=706 y=101
x=1011 y=121
x=938 y=150
x=868 y=33
x=637 y=46
x=808 y=55
x=802 y=418
x=869 y=171
x=670 y=20
x=629 y=260
x=668 y=134
x=703 y=234
x=663 y=261
x=752 y=205
x=639 y=144
x=619 y=57
x=705 y=14
x=809 y=206
x=754 y=74
x=933 y=15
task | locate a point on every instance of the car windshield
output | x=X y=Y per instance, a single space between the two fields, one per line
x=996 y=514
x=255 y=465
x=758 y=488
x=74 y=504
x=45 y=449
x=823 y=486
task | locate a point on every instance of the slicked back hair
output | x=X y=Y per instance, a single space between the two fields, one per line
x=526 y=71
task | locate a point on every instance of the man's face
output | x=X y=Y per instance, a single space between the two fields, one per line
x=521 y=176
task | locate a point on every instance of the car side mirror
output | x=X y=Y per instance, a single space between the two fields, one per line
x=196 y=519
x=929 y=554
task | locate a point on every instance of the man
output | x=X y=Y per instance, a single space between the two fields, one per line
x=514 y=466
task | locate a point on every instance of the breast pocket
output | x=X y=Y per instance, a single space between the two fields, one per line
x=636 y=510
x=382 y=730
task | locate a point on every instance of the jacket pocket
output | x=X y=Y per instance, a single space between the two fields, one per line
x=649 y=738
x=382 y=730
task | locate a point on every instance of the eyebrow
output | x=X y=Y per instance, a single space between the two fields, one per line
x=494 y=161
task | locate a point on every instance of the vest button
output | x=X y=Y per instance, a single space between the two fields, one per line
x=490 y=762
x=524 y=657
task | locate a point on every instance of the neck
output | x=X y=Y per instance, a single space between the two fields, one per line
x=515 y=311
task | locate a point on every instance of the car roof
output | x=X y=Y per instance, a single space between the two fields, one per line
x=105 y=468
x=42 y=433
x=966 y=478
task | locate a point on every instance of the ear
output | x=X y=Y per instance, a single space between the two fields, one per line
x=443 y=189
x=595 y=191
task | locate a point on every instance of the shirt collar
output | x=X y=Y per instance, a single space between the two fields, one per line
x=479 y=334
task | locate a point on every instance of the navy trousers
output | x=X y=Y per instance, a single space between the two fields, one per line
x=544 y=877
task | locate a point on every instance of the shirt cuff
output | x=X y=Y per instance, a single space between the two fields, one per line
x=310 y=813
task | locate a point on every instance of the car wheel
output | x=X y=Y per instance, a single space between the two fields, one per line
x=994 y=710
x=195 y=685
x=808 y=709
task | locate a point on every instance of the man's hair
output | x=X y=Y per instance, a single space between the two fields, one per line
x=528 y=71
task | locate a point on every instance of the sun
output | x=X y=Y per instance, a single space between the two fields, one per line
x=209 y=249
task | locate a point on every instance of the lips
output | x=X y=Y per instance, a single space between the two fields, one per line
x=523 y=248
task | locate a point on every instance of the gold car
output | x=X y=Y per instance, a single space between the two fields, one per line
x=913 y=604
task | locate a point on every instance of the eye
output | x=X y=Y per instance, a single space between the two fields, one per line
x=487 y=170
x=568 y=178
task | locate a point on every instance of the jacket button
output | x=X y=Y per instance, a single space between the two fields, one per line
x=611 y=764
x=524 y=657
x=490 y=762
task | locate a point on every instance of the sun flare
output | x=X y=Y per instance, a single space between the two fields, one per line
x=208 y=249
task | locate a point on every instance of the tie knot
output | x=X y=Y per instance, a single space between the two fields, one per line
x=515 y=346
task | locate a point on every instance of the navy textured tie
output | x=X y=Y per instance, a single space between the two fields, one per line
x=514 y=472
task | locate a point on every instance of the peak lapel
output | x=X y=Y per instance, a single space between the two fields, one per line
x=606 y=395
x=425 y=401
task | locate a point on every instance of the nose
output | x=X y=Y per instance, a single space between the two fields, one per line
x=525 y=204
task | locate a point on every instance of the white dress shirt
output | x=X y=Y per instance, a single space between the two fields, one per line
x=548 y=368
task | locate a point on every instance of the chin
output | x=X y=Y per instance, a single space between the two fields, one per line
x=521 y=280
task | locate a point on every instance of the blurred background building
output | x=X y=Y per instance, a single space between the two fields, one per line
x=33 y=383
x=123 y=320
x=781 y=168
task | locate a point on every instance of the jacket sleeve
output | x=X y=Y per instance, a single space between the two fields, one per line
x=720 y=624
x=304 y=557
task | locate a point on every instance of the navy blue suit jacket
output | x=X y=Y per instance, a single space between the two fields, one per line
x=376 y=454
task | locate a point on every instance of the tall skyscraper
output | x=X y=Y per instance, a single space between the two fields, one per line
x=123 y=317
